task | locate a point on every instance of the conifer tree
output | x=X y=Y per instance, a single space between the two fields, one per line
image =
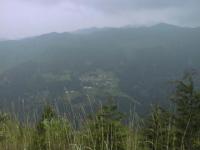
x=159 y=132
x=107 y=131
x=187 y=100
x=52 y=132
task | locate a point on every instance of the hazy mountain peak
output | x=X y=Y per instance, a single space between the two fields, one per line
x=165 y=25
x=3 y=39
x=86 y=30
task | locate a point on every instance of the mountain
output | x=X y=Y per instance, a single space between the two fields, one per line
x=2 y=39
x=133 y=65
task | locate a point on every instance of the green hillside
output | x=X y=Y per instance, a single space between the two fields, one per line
x=133 y=65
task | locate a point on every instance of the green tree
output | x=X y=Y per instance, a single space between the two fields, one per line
x=106 y=131
x=52 y=132
x=159 y=131
x=187 y=100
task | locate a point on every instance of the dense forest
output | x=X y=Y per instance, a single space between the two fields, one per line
x=133 y=65
x=175 y=128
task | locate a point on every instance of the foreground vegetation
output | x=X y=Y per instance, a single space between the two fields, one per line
x=175 y=128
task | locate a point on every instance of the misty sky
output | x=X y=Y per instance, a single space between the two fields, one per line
x=22 y=18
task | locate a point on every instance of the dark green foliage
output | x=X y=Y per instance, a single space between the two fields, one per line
x=52 y=132
x=159 y=132
x=106 y=130
x=40 y=136
x=49 y=113
x=187 y=100
x=179 y=130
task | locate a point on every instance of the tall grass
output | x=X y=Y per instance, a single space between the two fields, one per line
x=61 y=133
x=102 y=130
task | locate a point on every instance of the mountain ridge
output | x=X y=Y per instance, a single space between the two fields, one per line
x=99 y=29
x=139 y=62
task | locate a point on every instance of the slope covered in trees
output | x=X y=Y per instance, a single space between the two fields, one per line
x=134 y=65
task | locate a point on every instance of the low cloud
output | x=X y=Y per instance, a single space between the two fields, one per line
x=123 y=5
x=20 y=18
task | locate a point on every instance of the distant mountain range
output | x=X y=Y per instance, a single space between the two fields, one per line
x=2 y=39
x=134 y=65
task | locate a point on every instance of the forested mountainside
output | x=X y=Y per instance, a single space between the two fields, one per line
x=133 y=65
x=106 y=128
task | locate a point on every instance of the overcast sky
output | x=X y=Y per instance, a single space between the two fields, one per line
x=22 y=18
